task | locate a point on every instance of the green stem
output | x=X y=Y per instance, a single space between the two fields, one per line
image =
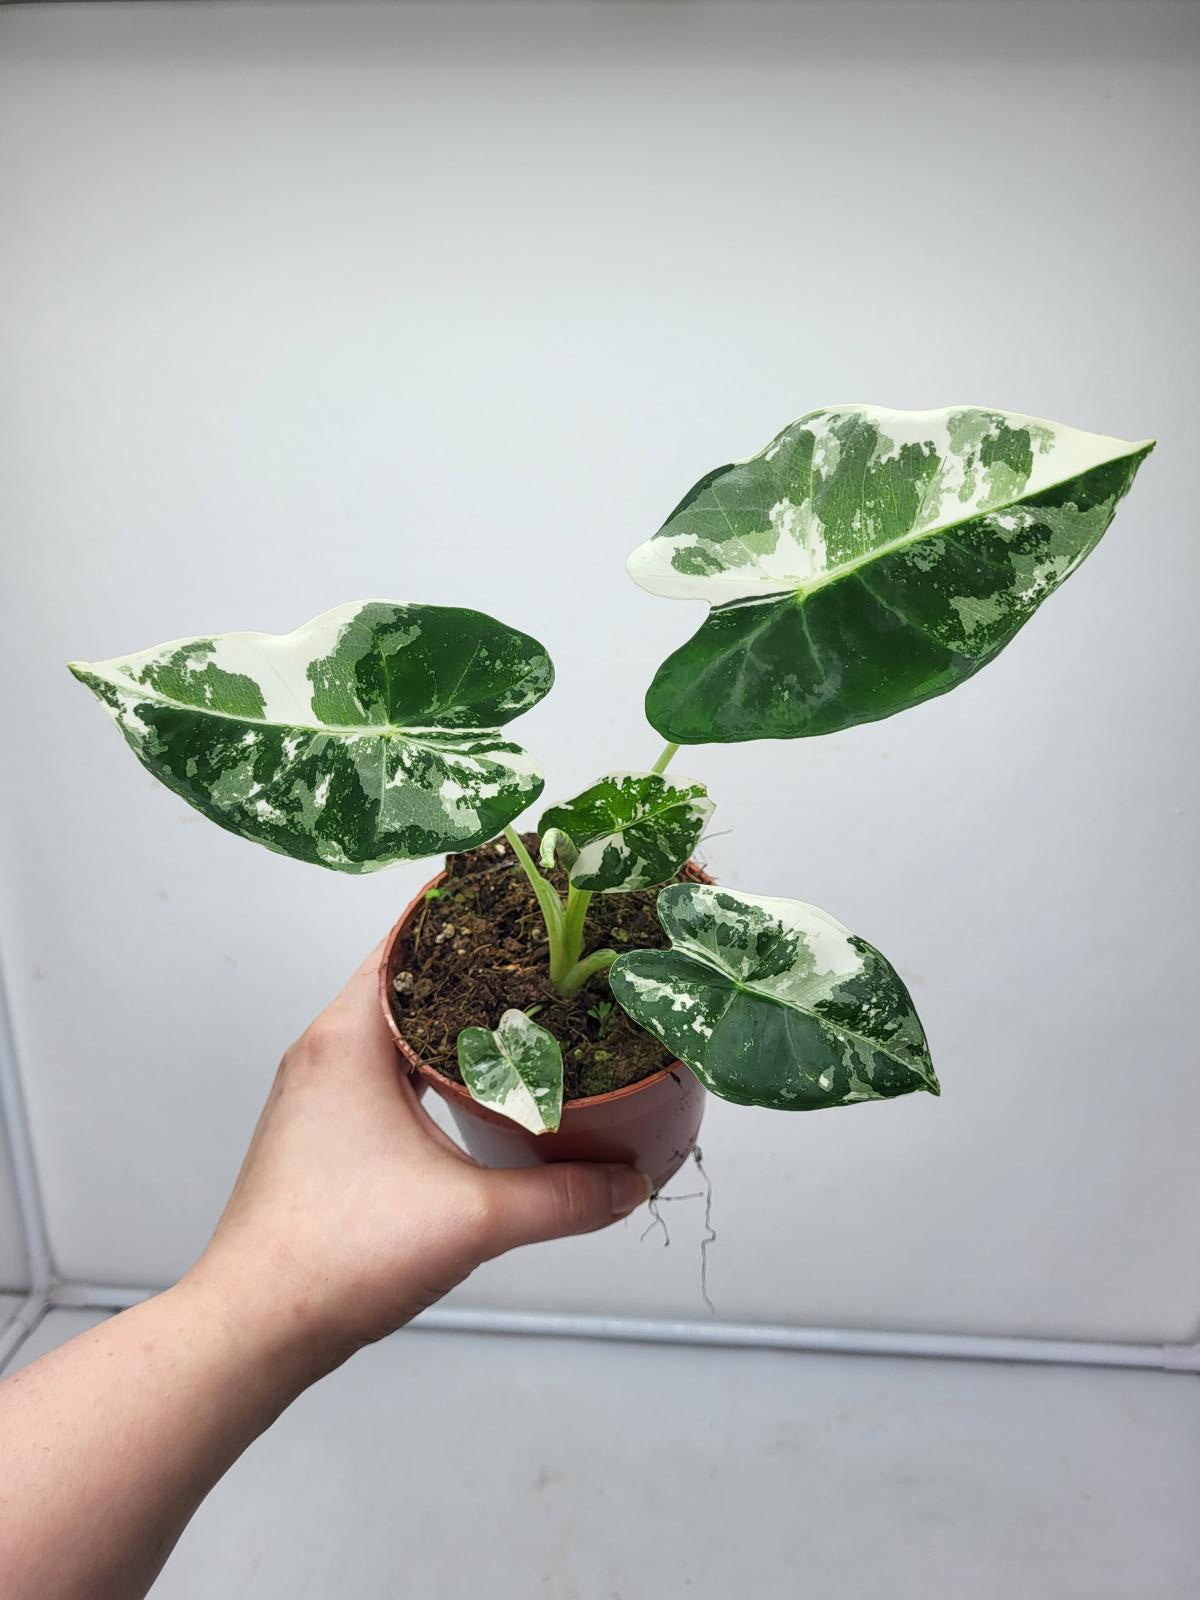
x=548 y=900
x=578 y=901
x=574 y=980
x=564 y=924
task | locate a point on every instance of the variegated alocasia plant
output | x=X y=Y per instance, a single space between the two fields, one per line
x=864 y=561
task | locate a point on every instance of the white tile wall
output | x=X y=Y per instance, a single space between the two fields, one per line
x=302 y=303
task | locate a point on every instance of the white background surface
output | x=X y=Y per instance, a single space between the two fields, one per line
x=848 y=1477
x=302 y=304
x=54 y=1329
x=13 y=1270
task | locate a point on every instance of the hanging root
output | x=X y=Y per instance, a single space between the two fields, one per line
x=658 y=1221
x=710 y=1233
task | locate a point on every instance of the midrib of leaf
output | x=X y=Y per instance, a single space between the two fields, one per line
x=704 y=958
x=659 y=810
x=916 y=535
x=383 y=730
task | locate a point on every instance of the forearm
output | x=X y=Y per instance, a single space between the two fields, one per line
x=110 y=1443
x=352 y=1212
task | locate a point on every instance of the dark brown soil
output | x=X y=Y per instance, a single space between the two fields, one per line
x=479 y=946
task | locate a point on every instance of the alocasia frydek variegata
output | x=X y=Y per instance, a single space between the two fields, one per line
x=862 y=562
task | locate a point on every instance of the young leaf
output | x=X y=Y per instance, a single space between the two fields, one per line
x=773 y=1003
x=368 y=736
x=516 y=1070
x=630 y=830
x=867 y=560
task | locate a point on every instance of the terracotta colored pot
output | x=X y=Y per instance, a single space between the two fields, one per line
x=651 y=1125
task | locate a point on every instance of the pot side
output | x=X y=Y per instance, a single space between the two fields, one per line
x=651 y=1125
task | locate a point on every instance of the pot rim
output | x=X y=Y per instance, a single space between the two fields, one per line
x=457 y=1090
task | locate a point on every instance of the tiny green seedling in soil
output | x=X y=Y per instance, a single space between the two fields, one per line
x=863 y=561
x=602 y=1015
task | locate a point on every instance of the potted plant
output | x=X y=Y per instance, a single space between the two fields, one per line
x=570 y=993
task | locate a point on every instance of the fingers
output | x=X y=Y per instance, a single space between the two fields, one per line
x=530 y=1204
x=356 y=1016
x=362 y=990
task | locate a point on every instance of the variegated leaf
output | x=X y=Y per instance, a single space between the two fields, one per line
x=368 y=736
x=516 y=1070
x=630 y=830
x=773 y=1003
x=867 y=560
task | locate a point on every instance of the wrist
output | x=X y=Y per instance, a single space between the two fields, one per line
x=262 y=1321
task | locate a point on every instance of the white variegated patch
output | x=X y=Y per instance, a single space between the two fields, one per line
x=867 y=560
x=515 y=1070
x=368 y=736
x=805 y=536
x=772 y=1002
x=629 y=830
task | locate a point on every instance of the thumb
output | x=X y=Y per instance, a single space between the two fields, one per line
x=528 y=1204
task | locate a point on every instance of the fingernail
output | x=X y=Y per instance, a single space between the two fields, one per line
x=630 y=1189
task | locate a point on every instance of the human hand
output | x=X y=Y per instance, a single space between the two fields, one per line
x=353 y=1211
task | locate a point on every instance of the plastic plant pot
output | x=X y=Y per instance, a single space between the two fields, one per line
x=651 y=1125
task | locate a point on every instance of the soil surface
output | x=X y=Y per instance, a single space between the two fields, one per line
x=478 y=946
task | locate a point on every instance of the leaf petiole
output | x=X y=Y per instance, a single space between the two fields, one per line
x=574 y=980
x=664 y=761
x=547 y=898
x=578 y=901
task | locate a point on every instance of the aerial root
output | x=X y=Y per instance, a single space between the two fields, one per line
x=657 y=1220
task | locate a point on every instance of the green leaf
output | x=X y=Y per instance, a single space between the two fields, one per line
x=773 y=1003
x=368 y=736
x=630 y=830
x=867 y=560
x=516 y=1070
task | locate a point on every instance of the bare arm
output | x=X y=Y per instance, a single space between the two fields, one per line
x=351 y=1214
